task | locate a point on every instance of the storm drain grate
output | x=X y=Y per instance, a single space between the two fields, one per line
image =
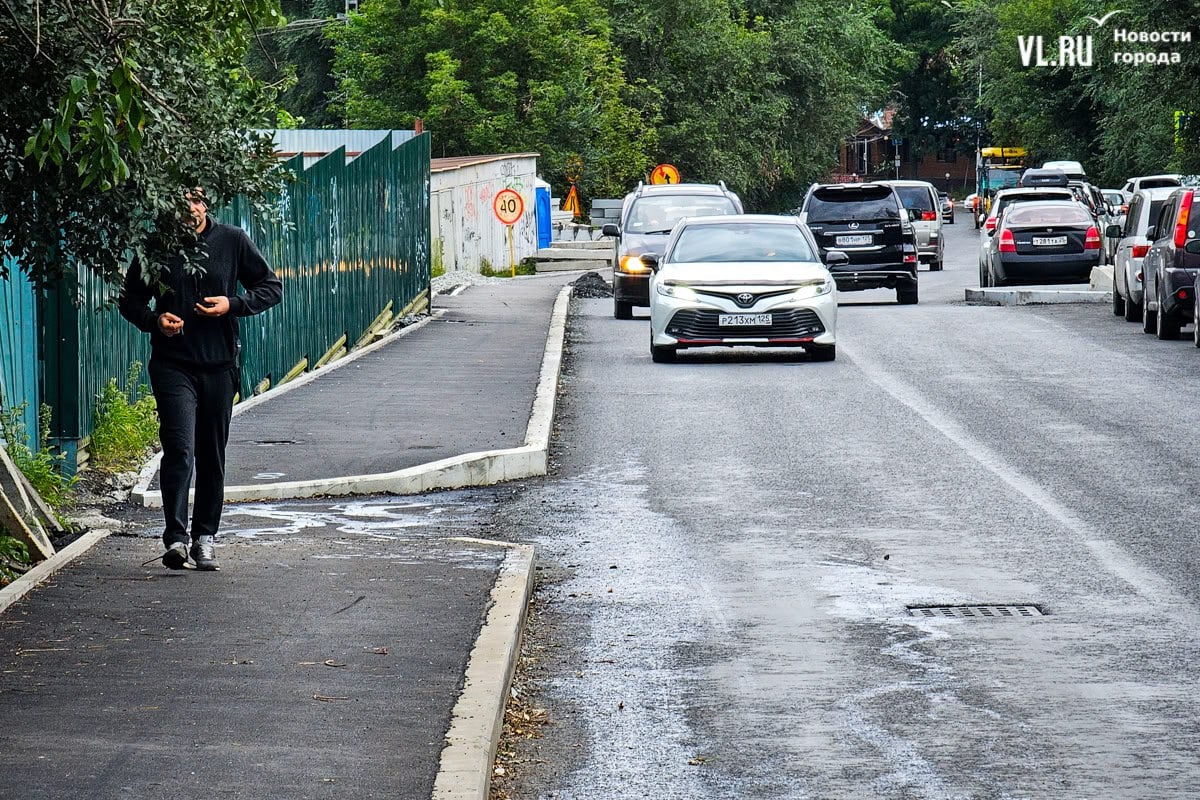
x=976 y=612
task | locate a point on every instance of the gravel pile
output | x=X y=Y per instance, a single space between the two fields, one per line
x=590 y=284
x=448 y=282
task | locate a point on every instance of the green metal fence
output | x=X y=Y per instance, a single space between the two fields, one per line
x=355 y=238
x=18 y=351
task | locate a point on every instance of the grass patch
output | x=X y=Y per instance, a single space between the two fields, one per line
x=527 y=267
x=44 y=469
x=125 y=429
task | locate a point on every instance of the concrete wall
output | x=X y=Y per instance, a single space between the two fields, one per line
x=465 y=231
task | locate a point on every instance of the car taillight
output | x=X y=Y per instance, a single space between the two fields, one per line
x=990 y=224
x=928 y=216
x=1092 y=240
x=909 y=258
x=1185 y=210
x=1182 y=294
x=1125 y=209
x=1007 y=243
x=1139 y=250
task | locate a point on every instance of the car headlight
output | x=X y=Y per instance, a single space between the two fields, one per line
x=676 y=290
x=632 y=265
x=814 y=289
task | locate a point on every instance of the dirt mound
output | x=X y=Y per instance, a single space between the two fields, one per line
x=591 y=284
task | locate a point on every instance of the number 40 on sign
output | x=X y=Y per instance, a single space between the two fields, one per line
x=509 y=207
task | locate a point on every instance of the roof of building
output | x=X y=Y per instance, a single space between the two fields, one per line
x=458 y=162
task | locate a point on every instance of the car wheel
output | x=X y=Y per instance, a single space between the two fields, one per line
x=822 y=352
x=951 y=221
x=1196 y=322
x=935 y=266
x=1149 y=318
x=1133 y=311
x=1168 y=325
x=662 y=354
x=622 y=310
x=1118 y=302
x=906 y=295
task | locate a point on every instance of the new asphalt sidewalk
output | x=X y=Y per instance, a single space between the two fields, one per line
x=347 y=648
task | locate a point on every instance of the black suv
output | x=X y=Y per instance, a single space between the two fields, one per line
x=647 y=216
x=1171 y=268
x=868 y=223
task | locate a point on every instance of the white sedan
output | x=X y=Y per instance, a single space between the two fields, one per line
x=746 y=280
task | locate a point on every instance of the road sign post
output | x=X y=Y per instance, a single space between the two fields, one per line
x=509 y=207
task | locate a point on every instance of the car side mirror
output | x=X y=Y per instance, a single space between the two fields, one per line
x=836 y=258
x=913 y=214
x=1113 y=231
x=1151 y=233
x=650 y=260
x=1192 y=247
x=610 y=229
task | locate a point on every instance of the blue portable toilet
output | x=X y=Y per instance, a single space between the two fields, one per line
x=542 y=210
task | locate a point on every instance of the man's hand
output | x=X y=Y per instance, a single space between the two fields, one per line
x=169 y=324
x=213 y=307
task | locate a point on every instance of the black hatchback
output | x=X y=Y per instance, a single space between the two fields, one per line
x=868 y=223
x=1171 y=269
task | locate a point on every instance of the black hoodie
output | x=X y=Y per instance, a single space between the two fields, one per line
x=227 y=258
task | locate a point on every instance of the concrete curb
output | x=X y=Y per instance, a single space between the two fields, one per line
x=471 y=469
x=27 y=582
x=1029 y=297
x=465 y=771
x=153 y=499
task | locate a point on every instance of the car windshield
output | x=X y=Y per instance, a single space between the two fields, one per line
x=1008 y=200
x=836 y=205
x=659 y=214
x=1032 y=214
x=915 y=197
x=724 y=242
x=1157 y=183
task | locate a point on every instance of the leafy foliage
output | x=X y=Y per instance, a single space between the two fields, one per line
x=126 y=424
x=111 y=111
x=490 y=76
x=44 y=469
x=13 y=553
x=299 y=59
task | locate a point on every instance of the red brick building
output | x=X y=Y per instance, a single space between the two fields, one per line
x=871 y=154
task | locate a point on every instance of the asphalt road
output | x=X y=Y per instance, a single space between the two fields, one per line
x=731 y=544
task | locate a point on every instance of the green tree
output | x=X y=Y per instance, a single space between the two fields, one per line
x=109 y=111
x=299 y=58
x=758 y=94
x=490 y=76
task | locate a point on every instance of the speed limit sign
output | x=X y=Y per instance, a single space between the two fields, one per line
x=509 y=206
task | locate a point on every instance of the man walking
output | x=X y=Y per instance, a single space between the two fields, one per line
x=193 y=368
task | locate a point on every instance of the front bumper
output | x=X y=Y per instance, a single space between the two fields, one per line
x=631 y=288
x=690 y=323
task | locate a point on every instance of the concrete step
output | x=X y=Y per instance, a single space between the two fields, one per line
x=582 y=244
x=571 y=251
x=573 y=266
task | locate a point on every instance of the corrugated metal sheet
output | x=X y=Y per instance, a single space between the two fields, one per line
x=315 y=144
x=356 y=237
x=18 y=349
x=466 y=233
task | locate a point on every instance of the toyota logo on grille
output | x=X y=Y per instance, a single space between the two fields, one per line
x=853 y=226
x=745 y=298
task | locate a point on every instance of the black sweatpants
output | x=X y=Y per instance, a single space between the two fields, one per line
x=194 y=408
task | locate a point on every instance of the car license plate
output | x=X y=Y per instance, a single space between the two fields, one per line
x=736 y=320
x=1049 y=241
x=851 y=241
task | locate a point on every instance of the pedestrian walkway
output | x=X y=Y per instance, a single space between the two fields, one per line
x=334 y=650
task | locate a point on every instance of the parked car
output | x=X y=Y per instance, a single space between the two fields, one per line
x=1042 y=177
x=648 y=215
x=921 y=198
x=750 y=279
x=1053 y=241
x=1171 y=267
x=1130 y=248
x=1152 y=182
x=947 y=207
x=1072 y=169
x=867 y=222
